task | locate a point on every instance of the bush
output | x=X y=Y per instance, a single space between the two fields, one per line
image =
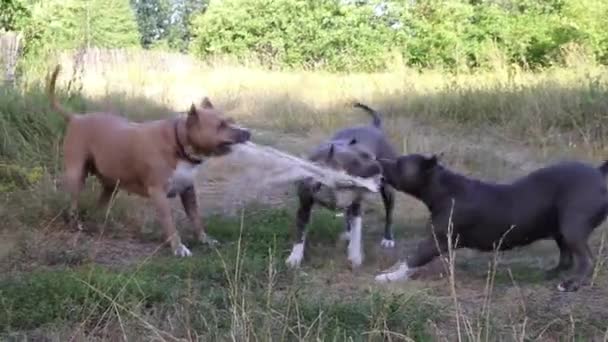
x=296 y=33
x=360 y=35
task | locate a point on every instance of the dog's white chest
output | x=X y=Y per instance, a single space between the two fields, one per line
x=182 y=178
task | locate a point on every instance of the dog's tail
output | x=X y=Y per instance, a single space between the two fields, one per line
x=604 y=168
x=375 y=115
x=51 y=94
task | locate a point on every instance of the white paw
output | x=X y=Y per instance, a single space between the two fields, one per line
x=206 y=239
x=345 y=236
x=387 y=243
x=355 y=257
x=295 y=258
x=402 y=272
x=182 y=251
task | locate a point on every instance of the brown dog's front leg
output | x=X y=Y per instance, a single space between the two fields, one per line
x=163 y=210
x=188 y=198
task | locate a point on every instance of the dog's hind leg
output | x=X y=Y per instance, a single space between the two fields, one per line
x=189 y=202
x=575 y=238
x=388 y=199
x=303 y=217
x=565 y=258
x=74 y=179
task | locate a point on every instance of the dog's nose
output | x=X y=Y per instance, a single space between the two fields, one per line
x=245 y=136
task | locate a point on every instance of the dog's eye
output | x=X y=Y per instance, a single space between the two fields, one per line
x=366 y=155
x=222 y=125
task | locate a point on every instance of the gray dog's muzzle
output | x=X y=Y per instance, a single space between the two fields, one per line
x=339 y=198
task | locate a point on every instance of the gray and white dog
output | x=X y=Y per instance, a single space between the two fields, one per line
x=356 y=151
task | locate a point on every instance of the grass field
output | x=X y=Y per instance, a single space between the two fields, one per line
x=116 y=282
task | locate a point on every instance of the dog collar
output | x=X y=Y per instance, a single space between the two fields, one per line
x=181 y=151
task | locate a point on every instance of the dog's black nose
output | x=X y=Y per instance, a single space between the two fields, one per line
x=245 y=135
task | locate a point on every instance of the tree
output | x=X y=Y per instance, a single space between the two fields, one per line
x=13 y=15
x=295 y=33
x=166 y=22
x=153 y=18
x=180 y=34
x=100 y=23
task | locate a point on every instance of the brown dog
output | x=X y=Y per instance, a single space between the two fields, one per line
x=155 y=159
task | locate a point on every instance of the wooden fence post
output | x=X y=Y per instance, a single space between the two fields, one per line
x=10 y=45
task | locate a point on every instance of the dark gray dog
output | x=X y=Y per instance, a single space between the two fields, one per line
x=355 y=151
x=564 y=202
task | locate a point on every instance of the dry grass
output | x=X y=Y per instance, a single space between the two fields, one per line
x=557 y=105
x=494 y=125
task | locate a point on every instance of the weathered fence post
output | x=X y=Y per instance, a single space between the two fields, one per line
x=10 y=44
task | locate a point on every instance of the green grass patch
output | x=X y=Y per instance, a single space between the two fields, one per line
x=246 y=273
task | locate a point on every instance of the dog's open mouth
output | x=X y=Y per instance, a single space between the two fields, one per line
x=223 y=149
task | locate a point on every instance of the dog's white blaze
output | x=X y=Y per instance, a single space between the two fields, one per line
x=355 y=254
x=387 y=243
x=182 y=251
x=184 y=170
x=297 y=253
x=401 y=273
x=182 y=177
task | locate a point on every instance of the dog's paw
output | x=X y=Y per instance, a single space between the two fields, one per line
x=345 y=236
x=295 y=258
x=356 y=259
x=400 y=273
x=387 y=243
x=569 y=285
x=355 y=255
x=182 y=251
x=208 y=240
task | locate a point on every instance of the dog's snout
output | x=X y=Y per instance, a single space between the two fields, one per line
x=241 y=135
x=245 y=135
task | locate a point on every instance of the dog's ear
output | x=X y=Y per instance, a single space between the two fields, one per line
x=352 y=141
x=366 y=155
x=206 y=103
x=430 y=163
x=331 y=152
x=192 y=115
x=192 y=110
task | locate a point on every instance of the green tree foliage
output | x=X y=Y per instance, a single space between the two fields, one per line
x=153 y=18
x=100 y=23
x=294 y=33
x=16 y=15
x=13 y=15
x=359 y=35
x=180 y=34
x=166 y=22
